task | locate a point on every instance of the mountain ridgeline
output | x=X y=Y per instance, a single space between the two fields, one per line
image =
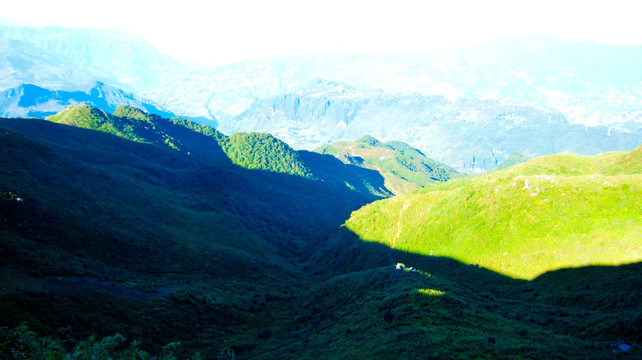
x=163 y=230
x=259 y=151
x=469 y=108
x=403 y=167
x=134 y=124
x=28 y=100
x=133 y=227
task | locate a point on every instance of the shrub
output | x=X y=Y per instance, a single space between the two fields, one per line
x=23 y=343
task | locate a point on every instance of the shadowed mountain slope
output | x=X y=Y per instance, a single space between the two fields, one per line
x=160 y=243
x=104 y=222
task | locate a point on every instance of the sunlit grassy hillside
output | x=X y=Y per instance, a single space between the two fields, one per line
x=549 y=213
x=404 y=168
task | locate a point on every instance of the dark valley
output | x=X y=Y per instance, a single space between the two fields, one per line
x=158 y=230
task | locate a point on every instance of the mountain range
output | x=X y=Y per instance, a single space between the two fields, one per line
x=319 y=207
x=165 y=230
x=33 y=101
x=469 y=108
x=469 y=135
x=66 y=59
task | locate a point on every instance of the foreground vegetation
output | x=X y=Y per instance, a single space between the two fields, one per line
x=116 y=248
x=23 y=343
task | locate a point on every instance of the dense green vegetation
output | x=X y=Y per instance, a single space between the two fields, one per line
x=258 y=151
x=124 y=232
x=249 y=150
x=404 y=168
x=264 y=151
x=105 y=239
x=549 y=213
x=23 y=343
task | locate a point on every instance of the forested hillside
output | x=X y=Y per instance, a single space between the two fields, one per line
x=146 y=232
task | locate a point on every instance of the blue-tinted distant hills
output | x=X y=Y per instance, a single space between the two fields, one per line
x=587 y=82
x=33 y=101
x=470 y=135
x=469 y=108
x=67 y=59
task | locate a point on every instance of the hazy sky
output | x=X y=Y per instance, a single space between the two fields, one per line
x=219 y=32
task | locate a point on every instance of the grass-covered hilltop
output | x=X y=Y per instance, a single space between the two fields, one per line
x=132 y=236
x=553 y=212
x=403 y=167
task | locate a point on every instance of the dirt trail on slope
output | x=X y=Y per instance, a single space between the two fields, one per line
x=399 y=228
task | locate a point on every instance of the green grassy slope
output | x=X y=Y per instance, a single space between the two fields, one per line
x=454 y=311
x=258 y=151
x=143 y=239
x=101 y=235
x=513 y=159
x=549 y=213
x=503 y=271
x=404 y=168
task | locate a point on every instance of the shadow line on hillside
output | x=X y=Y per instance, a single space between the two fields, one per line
x=86 y=176
x=271 y=204
x=346 y=252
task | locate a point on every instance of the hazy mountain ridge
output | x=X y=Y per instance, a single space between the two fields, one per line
x=579 y=79
x=514 y=87
x=64 y=63
x=469 y=135
x=113 y=57
x=23 y=63
x=33 y=101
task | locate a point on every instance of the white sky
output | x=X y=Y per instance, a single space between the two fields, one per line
x=220 y=32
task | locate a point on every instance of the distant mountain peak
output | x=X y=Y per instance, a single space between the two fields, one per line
x=403 y=167
x=131 y=112
x=81 y=115
x=370 y=140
